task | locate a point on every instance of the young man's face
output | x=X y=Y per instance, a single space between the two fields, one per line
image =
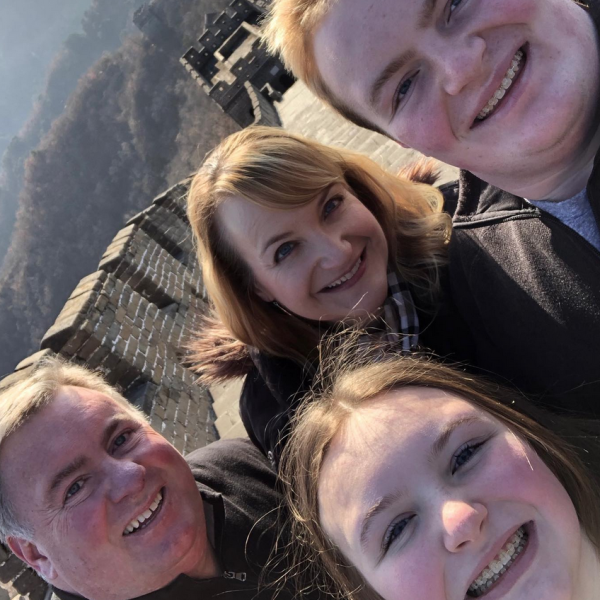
x=426 y=72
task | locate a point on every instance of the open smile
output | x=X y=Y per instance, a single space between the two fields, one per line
x=348 y=279
x=502 y=565
x=147 y=516
x=510 y=77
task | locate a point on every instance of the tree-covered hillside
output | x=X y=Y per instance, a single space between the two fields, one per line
x=135 y=125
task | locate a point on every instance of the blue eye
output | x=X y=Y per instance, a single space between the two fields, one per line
x=283 y=251
x=464 y=455
x=454 y=4
x=121 y=439
x=331 y=205
x=74 y=489
x=395 y=531
x=403 y=90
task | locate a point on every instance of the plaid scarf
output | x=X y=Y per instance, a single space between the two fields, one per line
x=399 y=322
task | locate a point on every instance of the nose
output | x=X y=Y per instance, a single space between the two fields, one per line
x=332 y=250
x=462 y=524
x=460 y=63
x=126 y=478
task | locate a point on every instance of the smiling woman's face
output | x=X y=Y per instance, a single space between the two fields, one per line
x=326 y=260
x=447 y=504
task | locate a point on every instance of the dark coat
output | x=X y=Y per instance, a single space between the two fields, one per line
x=275 y=386
x=238 y=488
x=529 y=288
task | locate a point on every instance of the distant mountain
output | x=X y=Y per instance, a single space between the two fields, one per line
x=135 y=124
x=27 y=46
x=103 y=23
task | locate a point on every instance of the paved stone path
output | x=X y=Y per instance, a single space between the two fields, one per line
x=302 y=113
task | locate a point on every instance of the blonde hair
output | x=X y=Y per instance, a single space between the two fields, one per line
x=26 y=397
x=276 y=169
x=288 y=31
x=347 y=387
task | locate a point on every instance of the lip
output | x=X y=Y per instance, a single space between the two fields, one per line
x=355 y=278
x=519 y=566
x=148 y=523
x=512 y=94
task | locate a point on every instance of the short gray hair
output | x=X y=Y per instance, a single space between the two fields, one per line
x=26 y=397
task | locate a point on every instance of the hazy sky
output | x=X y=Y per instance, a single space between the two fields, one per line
x=31 y=33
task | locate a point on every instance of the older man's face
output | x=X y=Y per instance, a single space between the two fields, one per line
x=82 y=474
x=426 y=72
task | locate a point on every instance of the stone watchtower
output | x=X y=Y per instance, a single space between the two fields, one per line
x=234 y=68
x=148 y=21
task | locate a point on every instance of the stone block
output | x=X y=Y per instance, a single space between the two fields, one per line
x=157 y=424
x=30 y=361
x=74 y=343
x=95 y=360
x=179 y=443
x=28 y=582
x=11 y=568
x=171 y=411
x=88 y=348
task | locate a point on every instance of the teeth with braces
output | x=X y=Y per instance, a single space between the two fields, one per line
x=504 y=86
x=347 y=276
x=144 y=516
x=499 y=565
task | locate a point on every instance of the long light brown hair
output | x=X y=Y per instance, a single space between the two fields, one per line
x=350 y=383
x=276 y=169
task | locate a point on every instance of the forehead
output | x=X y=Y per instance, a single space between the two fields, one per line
x=389 y=437
x=249 y=224
x=75 y=418
x=357 y=38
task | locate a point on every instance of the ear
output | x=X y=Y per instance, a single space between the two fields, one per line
x=30 y=554
x=262 y=293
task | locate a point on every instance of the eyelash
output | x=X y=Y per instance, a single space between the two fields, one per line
x=470 y=447
x=390 y=537
x=473 y=448
x=452 y=6
x=337 y=199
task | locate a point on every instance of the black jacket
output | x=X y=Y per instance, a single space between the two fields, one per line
x=275 y=386
x=237 y=486
x=529 y=288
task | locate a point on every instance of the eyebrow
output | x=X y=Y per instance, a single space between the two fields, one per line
x=280 y=236
x=80 y=461
x=442 y=440
x=398 y=63
x=436 y=449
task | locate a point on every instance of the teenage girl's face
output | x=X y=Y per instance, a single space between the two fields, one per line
x=434 y=499
x=326 y=260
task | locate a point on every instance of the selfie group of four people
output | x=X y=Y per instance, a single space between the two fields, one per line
x=340 y=291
